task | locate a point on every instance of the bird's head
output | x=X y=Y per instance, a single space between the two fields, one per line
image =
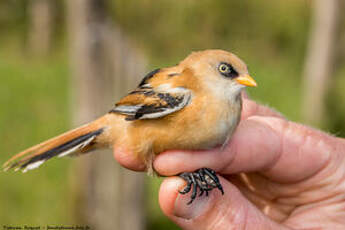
x=221 y=71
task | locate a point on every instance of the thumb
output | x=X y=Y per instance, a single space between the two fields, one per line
x=215 y=211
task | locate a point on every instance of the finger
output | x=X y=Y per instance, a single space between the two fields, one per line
x=251 y=108
x=215 y=211
x=281 y=150
x=127 y=159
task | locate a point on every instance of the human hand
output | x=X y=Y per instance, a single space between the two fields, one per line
x=276 y=174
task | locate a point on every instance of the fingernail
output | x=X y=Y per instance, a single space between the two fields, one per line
x=190 y=211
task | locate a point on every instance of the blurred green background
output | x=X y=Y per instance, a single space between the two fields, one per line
x=271 y=36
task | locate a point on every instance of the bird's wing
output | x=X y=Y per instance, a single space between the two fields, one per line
x=155 y=97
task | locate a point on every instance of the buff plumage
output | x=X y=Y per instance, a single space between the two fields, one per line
x=193 y=105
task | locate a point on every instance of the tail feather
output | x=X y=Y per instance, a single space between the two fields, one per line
x=68 y=143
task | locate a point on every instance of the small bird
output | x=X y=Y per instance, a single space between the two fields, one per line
x=193 y=105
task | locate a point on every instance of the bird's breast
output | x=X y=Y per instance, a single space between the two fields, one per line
x=198 y=126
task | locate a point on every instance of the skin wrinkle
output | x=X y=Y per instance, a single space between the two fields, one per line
x=340 y=182
x=308 y=188
x=315 y=204
x=224 y=154
x=319 y=140
x=321 y=209
x=324 y=168
x=322 y=203
x=307 y=197
x=290 y=127
x=279 y=211
x=261 y=201
x=325 y=198
x=324 y=165
x=303 y=190
x=321 y=182
x=210 y=207
x=341 y=210
x=338 y=167
x=233 y=145
x=287 y=199
x=320 y=171
x=301 y=211
x=276 y=159
x=304 y=143
x=223 y=217
x=245 y=218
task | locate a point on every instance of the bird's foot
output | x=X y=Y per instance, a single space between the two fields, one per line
x=205 y=179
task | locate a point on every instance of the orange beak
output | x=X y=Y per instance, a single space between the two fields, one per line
x=246 y=80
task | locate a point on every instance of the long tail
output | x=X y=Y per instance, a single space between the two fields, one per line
x=76 y=141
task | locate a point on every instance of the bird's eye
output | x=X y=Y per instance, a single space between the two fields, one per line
x=224 y=68
x=227 y=70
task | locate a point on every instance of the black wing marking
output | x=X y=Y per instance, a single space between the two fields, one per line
x=148 y=77
x=148 y=104
x=169 y=105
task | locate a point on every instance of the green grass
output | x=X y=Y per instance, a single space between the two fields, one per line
x=33 y=107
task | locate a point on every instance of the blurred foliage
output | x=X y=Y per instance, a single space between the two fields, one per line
x=13 y=17
x=170 y=29
x=15 y=22
x=335 y=108
x=33 y=107
x=269 y=35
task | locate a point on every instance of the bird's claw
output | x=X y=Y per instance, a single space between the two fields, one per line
x=205 y=179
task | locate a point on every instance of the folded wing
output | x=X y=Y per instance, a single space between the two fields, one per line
x=151 y=102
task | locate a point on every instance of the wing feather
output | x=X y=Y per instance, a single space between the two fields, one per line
x=147 y=102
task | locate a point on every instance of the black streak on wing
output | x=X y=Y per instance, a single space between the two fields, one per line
x=173 y=74
x=146 y=109
x=149 y=109
x=148 y=76
x=62 y=148
x=170 y=100
x=145 y=92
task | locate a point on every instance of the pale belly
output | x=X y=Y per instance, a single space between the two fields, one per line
x=205 y=131
x=193 y=128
